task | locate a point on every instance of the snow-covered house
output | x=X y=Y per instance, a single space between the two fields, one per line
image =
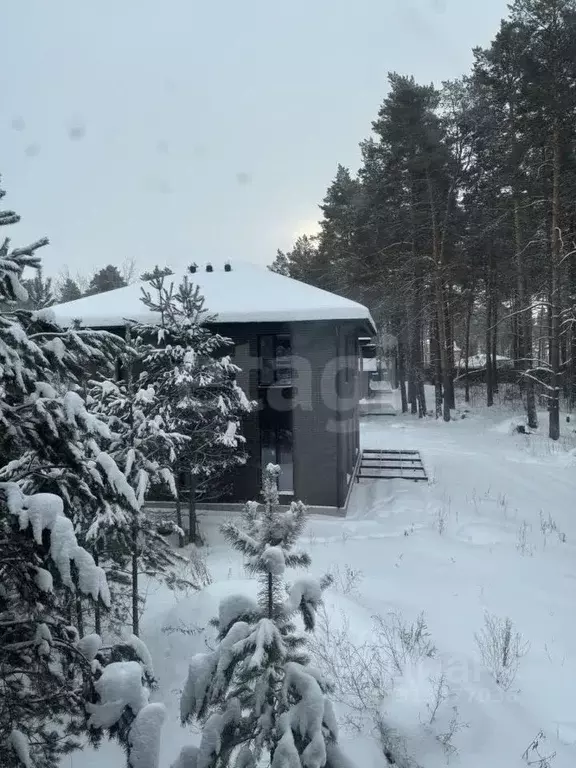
x=298 y=350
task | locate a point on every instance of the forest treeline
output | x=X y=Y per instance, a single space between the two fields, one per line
x=459 y=228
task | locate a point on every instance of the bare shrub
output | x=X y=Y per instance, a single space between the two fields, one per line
x=441 y=692
x=393 y=745
x=363 y=674
x=501 y=649
x=402 y=642
x=446 y=738
x=358 y=672
x=549 y=527
x=533 y=756
x=198 y=566
x=347 y=579
x=522 y=544
x=442 y=515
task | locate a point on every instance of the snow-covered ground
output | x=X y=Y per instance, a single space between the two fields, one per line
x=494 y=531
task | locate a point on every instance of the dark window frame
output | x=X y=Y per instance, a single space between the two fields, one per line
x=269 y=372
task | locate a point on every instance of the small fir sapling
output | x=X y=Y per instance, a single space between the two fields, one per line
x=255 y=695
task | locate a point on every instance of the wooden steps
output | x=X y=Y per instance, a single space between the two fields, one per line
x=380 y=464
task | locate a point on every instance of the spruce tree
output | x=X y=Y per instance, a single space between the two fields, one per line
x=106 y=279
x=45 y=676
x=68 y=291
x=256 y=697
x=146 y=450
x=40 y=294
x=198 y=397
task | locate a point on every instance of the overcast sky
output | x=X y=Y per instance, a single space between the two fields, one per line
x=182 y=130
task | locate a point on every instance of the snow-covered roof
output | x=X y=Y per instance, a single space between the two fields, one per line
x=245 y=294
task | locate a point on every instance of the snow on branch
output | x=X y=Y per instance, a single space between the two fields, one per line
x=45 y=511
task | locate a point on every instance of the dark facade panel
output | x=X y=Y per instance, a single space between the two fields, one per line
x=316 y=414
x=322 y=403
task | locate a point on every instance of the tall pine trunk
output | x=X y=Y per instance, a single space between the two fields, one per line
x=495 y=343
x=451 y=394
x=178 y=504
x=135 y=585
x=192 y=514
x=440 y=299
x=436 y=368
x=469 y=310
x=554 y=417
x=402 y=374
x=523 y=319
x=488 y=342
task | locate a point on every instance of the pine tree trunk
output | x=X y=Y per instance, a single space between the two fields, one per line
x=97 y=607
x=450 y=352
x=437 y=368
x=437 y=253
x=469 y=310
x=488 y=344
x=571 y=373
x=135 y=575
x=192 y=516
x=402 y=375
x=495 y=344
x=554 y=419
x=411 y=362
x=523 y=319
x=270 y=596
x=418 y=399
x=79 y=616
x=421 y=393
x=178 y=505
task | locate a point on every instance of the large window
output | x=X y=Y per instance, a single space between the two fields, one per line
x=275 y=353
x=276 y=444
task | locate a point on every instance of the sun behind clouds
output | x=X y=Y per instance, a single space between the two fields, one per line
x=309 y=226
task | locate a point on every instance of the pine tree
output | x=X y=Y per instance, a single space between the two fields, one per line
x=106 y=279
x=155 y=273
x=255 y=695
x=40 y=294
x=196 y=383
x=68 y=291
x=302 y=262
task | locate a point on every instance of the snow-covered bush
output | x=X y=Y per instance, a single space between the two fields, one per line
x=120 y=706
x=255 y=694
x=501 y=649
